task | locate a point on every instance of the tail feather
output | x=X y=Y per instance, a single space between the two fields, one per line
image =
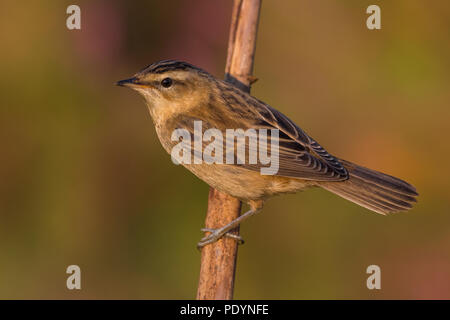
x=373 y=190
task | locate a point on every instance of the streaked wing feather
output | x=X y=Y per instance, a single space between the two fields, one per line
x=300 y=155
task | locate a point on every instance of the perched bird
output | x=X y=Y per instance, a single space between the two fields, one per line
x=179 y=94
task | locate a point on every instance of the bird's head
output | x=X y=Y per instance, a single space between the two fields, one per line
x=170 y=86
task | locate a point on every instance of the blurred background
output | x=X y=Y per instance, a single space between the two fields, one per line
x=84 y=180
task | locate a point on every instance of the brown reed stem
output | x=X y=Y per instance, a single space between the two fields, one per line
x=218 y=260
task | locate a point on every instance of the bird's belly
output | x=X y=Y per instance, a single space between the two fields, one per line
x=243 y=183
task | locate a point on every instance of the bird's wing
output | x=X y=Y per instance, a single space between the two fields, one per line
x=300 y=156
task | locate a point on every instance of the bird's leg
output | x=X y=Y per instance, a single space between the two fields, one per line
x=228 y=234
x=216 y=234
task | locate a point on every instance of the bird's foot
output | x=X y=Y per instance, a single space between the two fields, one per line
x=216 y=234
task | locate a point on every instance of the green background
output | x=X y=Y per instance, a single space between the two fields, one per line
x=84 y=180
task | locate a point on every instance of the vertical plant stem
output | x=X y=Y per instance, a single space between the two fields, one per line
x=218 y=260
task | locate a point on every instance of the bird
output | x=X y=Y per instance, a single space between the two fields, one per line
x=178 y=95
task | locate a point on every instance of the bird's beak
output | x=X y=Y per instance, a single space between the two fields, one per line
x=127 y=82
x=131 y=83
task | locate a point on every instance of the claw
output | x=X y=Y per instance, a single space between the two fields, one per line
x=216 y=234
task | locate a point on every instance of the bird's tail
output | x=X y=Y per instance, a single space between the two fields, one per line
x=373 y=190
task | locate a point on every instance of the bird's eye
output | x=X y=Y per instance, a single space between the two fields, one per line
x=166 y=82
